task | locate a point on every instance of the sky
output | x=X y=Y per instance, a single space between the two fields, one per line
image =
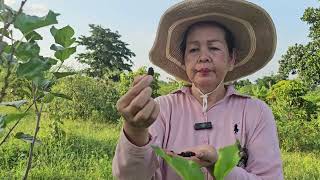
x=137 y=21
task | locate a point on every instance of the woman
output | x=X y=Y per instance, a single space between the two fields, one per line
x=207 y=43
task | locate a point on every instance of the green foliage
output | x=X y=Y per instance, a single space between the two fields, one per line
x=301 y=165
x=169 y=87
x=228 y=158
x=287 y=102
x=85 y=152
x=105 y=52
x=313 y=96
x=304 y=59
x=299 y=135
x=186 y=169
x=21 y=59
x=126 y=80
x=268 y=81
x=27 y=24
x=91 y=99
x=242 y=83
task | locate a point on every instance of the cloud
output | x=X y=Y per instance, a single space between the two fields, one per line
x=10 y=2
x=36 y=9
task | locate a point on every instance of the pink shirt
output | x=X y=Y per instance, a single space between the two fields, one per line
x=174 y=130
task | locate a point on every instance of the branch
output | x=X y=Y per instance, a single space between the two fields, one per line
x=38 y=112
x=7 y=25
x=5 y=138
x=6 y=78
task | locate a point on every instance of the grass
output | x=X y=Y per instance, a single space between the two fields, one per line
x=87 y=152
x=301 y=165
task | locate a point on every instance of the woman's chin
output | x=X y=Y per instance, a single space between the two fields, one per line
x=205 y=81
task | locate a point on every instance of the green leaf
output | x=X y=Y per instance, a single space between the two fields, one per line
x=228 y=158
x=26 y=137
x=35 y=67
x=62 y=53
x=26 y=23
x=186 y=169
x=16 y=104
x=26 y=50
x=59 y=75
x=56 y=48
x=48 y=98
x=2 y=6
x=5 y=33
x=33 y=36
x=3 y=45
x=63 y=36
x=61 y=95
x=6 y=119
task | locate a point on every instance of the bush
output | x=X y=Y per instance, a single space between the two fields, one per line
x=92 y=99
x=126 y=80
x=298 y=135
x=286 y=99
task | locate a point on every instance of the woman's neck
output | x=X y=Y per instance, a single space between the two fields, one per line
x=213 y=98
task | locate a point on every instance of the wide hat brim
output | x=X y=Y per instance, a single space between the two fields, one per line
x=252 y=27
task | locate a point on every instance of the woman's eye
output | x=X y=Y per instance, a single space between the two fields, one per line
x=193 y=50
x=213 y=48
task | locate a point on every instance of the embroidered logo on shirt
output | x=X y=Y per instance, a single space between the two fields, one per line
x=236 y=130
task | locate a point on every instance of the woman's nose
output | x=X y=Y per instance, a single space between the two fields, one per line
x=204 y=56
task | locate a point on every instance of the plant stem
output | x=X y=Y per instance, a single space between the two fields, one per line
x=7 y=25
x=38 y=113
x=6 y=83
x=5 y=138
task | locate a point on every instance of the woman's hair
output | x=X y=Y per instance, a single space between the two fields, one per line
x=228 y=36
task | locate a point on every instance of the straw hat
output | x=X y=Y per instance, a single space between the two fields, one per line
x=252 y=27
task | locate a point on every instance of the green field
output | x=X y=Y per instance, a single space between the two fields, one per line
x=87 y=151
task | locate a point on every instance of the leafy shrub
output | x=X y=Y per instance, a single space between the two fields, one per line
x=92 y=99
x=298 y=135
x=171 y=86
x=126 y=80
x=287 y=101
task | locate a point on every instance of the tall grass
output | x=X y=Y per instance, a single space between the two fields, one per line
x=87 y=151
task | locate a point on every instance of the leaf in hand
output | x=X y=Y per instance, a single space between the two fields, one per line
x=186 y=169
x=228 y=158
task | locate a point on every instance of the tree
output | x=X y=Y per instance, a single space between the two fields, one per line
x=268 y=81
x=303 y=60
x=288 y=103
x=241 y=83
x=106 y=54
x=20 y=57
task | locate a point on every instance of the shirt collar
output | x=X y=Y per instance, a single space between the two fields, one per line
x=230 y=91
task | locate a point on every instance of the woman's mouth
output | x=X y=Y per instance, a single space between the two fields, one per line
x=203 y=71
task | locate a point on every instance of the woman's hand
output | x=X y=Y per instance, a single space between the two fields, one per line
x=205 y=155
x=139 y=110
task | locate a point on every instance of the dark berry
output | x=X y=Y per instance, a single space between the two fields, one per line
x=187 y=154
x=150 y=71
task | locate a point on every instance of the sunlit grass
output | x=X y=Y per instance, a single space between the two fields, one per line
x=87 y=151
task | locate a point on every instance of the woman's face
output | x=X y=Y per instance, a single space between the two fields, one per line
x=207 y=57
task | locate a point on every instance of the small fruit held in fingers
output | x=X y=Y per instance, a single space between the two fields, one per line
x=150 y=71
x=187 y=154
